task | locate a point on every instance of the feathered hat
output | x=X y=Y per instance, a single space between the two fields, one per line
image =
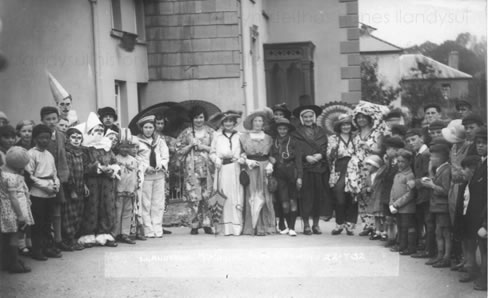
x=58 y=91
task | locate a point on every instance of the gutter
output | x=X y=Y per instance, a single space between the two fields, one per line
x=243 y=64
x=96 y=47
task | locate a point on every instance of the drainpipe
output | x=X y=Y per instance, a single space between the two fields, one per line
x=243 y=60
x=96 y=47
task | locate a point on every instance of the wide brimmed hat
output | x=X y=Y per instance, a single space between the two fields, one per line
x=282 y=107
x=57 y=90
x=343 y=118
x=266 y=113
x=298 y=111
x=216 y=120
x=107 y=111
x=282 y=122
x=146 y=119
x=454 y=132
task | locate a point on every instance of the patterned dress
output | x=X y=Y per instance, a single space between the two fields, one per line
x=99 y=213
x=16 y=184
x=259 y=212
x=197 y=173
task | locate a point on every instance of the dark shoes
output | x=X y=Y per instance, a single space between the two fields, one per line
x=63 y=246
x=421 y=255
x=194 y=232
x=307 y=231
x=208 y=230
x=141 y=237
x=126 y=239
x=443 y=263
x=433 y=261
x=52 y=253
x=316 y=230
x=39 y=256
x=77 y=246
x=407 y=252
x=337 y=230
x=375 y=237
x=165 y=232
x=367 y=232
x=111 y=243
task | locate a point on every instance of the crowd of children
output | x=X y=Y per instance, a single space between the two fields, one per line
x=66 y=186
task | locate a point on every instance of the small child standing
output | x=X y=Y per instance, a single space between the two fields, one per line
x=15 y=213
x=368 y=196
x=136 y=227
x=45 y=185
x=402 y=203
x=75 y=190
x=126 y=188
x=440 y=184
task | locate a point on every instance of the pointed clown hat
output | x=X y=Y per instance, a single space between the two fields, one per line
x=58 y=91
x=92 y=122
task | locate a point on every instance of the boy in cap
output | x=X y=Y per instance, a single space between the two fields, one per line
x=471 y=123
x=56 y=146
x=440 y=184
x=45 y=186
x=421 y=160
x=464 y=108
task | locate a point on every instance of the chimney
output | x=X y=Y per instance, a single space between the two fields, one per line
x=453 y=60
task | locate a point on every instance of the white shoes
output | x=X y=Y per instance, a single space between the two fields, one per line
x=292 y=233
x=284 y=232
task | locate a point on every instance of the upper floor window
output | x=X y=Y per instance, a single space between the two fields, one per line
x=128 y=16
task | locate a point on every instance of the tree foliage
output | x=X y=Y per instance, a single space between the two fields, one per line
x=372 y=88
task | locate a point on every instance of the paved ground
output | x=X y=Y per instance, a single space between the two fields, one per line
x=181 y=265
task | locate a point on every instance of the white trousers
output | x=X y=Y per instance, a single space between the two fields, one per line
x=153 y=207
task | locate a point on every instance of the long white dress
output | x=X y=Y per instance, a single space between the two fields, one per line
x=227 y=147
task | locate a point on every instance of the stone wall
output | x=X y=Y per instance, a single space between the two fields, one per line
x=192 y=39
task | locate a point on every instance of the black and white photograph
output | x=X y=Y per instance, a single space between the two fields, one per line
x=243 y=148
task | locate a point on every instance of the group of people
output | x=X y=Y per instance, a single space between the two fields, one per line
x=68 y=186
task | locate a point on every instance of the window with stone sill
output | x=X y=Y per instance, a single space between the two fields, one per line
x=128 y=16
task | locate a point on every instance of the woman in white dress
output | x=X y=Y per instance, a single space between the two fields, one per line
x=225 y=153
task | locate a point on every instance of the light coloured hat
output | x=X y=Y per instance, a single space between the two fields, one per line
x=57 y=90
x=146 y=119
x=126 y=137
x=454 y=132
x=92 y=122
x=17 y=157
x=111 y=132
x=343 y=118
x=3 y=116
x=374 y=160
x=266 y=113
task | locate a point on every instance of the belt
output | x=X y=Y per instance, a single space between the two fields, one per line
x=226 y=161
x=258 y=157
x=46 y=178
